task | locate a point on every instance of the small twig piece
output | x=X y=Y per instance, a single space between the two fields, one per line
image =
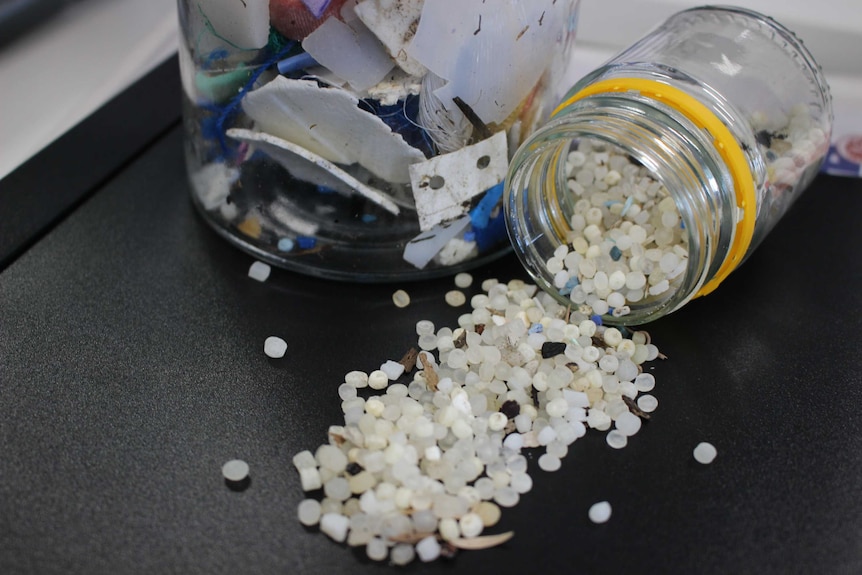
x=482 y=130
x=633 y=407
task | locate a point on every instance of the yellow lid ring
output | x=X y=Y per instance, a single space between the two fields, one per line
x=723 y=140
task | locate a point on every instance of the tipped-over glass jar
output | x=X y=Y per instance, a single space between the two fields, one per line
x=663 y=169
x=365 y=139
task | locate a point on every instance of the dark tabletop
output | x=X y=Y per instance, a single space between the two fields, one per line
x=132 y=368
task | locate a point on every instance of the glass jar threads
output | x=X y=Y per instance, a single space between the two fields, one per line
x=365 y=139
x=663 y=169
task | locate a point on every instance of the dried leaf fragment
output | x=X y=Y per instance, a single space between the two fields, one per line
x=409 y=359
x=431 y=377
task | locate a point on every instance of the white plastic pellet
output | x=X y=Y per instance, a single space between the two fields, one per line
x=463 y=280
x=628 y=423
x=259 y=271
x=705 y=453
x=428 y=549
x=455 y=298
x=378 y=379
x=392 y=369
x=402 y=554
x=521 y=482
x=308 y=512
x=235 y=470
x=616 y=439
x=645 y=382
x=376 y=549
x=401 y=298
x=548 y=462
x=647 y=403
x=357 y=379
x=304 y=459
x=600 y=512
x=506 y=496
x=335 y=525
x=274 y=347
x=471 y=525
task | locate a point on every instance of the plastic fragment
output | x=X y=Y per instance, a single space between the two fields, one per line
x=274 y=347
x=443 y=184
x=342 y=132
x=259 y=271
x=305 y=164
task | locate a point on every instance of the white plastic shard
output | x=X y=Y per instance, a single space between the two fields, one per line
x=306 y=165
x=330 y=124
x=212 y=184
x=443 y=185
x=244 y=25
x=394 y=22
x=492 y=54
x=350 y=50
x=422 y=249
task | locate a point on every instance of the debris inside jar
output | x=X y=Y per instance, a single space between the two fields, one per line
x=354 y=119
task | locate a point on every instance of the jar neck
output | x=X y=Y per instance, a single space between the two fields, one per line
x=679 y=155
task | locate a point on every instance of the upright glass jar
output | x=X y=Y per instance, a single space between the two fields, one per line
x=663 y=169
x=365 y=139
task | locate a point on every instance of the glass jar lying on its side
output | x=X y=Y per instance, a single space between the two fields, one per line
x=365 y=139
x=663 y=169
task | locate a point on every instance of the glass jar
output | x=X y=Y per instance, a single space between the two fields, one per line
x=365 y=140
x=663 y=169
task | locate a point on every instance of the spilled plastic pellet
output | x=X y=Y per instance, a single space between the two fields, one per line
x=705 y=453
x=259 y=271
x=428 y=455
x=600 y=512
x=274 y=347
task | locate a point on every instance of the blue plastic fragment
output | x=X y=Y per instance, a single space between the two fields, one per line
x=491 y=235
x=616 y=253
x=306 y=242
x=572 y=283
x=565 y=290
x=682 y=224
x=627 y=205
x=321 y=189
x=296 y=63
x=368 y=218
x=536 y=328
x=469 y=236
x=597 y=319
x=481 y=214
x=212 y=57
x=285 y=244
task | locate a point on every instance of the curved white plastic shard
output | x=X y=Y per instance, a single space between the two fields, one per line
x=422 y=249
x=351 y=51
x=329 y=123
x=306 y=165
x=492 y=54
x=444 y=185
x=394 y=22
x=243 y=24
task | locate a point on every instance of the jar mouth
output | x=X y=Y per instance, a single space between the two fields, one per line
x=666 y=149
